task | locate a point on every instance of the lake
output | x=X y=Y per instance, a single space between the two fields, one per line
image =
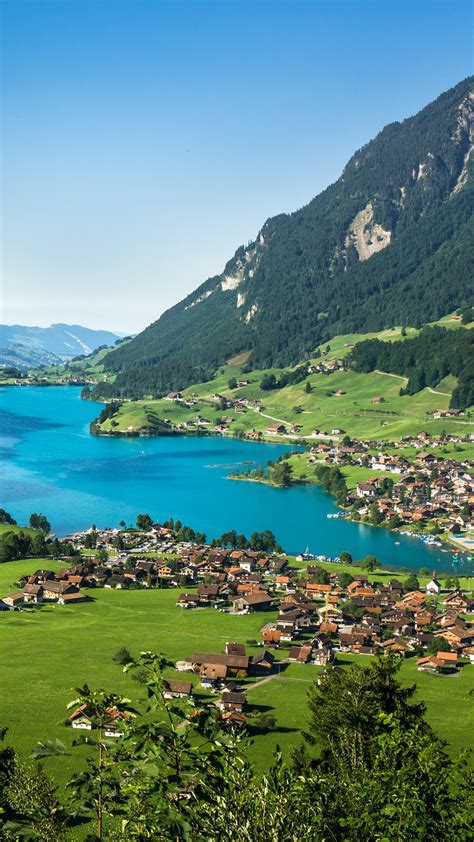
x=51 y=464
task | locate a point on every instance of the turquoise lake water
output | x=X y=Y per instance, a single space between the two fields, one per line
x=51 y=464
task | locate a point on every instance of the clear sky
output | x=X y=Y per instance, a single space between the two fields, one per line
x=143 y=141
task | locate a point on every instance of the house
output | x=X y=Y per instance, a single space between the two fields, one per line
x=252 y=602
x=53 y=590
x=84 y=718
x=232 y=701
x=211 y=675
x=300 y=654
x=33 y=593
x=176 y=689
x=187 y=600
x=276 y=430
x=236 y=665
x=232 y=718
x=15 y=600
x=438 y=663
x=262 y=664
x=72 y=598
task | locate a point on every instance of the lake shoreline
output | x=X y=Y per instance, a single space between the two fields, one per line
x=53 y=465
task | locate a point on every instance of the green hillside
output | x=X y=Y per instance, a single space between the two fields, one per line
x=365 y=405
x=389 y=242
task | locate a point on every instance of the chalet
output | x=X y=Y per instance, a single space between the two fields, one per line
x=72 y=598
x=262 y=664
x=276 y=430
x=177 y=689
x=212 y=675
x=188 y=600
x=233 y=719
x=253 y=602
x=207 y=593
x=271 y=635
x=236 y=665
x=438 y=663
x=232 y=701
x=15 y=600
x=457 y=601
x=300 y=654
x=33 y=593
x=84 y=718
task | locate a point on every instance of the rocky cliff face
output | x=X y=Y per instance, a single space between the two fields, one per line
x=388 y=243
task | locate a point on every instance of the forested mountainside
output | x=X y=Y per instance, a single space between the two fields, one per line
x=27 y=347
x=389 y=243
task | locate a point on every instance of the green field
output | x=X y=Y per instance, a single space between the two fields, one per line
x=46 y=652
x=353 y=411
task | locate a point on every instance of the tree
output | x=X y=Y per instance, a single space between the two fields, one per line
x=411 y=583
x=345 y=557
x=280 y=473
x=232 y=384
x=33 y=798
x=346 y=441
x=437 y=644
x=370 y=563
x=5 y=517
x=268 y=382
x=320 y=576
x=38 y=546
x=39 y=521
x=102 y=556
x=375 y=515
x=144 y=522
x=308 y=388
x=344 y=579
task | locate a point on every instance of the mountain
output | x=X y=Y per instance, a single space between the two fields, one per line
x=388 y=243
x=32 y=346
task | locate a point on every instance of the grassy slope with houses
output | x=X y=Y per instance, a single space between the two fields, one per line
x=59 y=647
x=366 y=406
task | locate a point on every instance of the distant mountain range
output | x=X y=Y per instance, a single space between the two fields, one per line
x=389 y=243
x=26 y=347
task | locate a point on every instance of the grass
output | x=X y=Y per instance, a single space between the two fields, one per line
x=25 y=530
x=47 y=652
x=354 y=411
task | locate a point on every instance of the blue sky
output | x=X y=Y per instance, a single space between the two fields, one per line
x=143 y=142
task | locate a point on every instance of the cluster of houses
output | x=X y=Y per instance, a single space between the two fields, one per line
x=427 y=489
x=62 y=587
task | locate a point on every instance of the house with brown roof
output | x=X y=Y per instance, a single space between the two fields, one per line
x=177 y=689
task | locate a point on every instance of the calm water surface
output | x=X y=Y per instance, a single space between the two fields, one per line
x=51 y=464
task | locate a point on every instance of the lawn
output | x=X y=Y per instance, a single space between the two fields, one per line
x=47 y=652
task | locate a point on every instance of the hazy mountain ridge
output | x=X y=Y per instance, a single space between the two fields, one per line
x=26 y=346
x=388 y=243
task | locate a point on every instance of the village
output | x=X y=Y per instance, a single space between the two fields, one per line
x=423 y=490
x=309 y=616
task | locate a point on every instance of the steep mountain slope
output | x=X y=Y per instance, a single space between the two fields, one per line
x=389 y=243
x=50 y=344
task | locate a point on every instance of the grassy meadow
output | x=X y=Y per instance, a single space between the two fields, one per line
x=46 y=652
